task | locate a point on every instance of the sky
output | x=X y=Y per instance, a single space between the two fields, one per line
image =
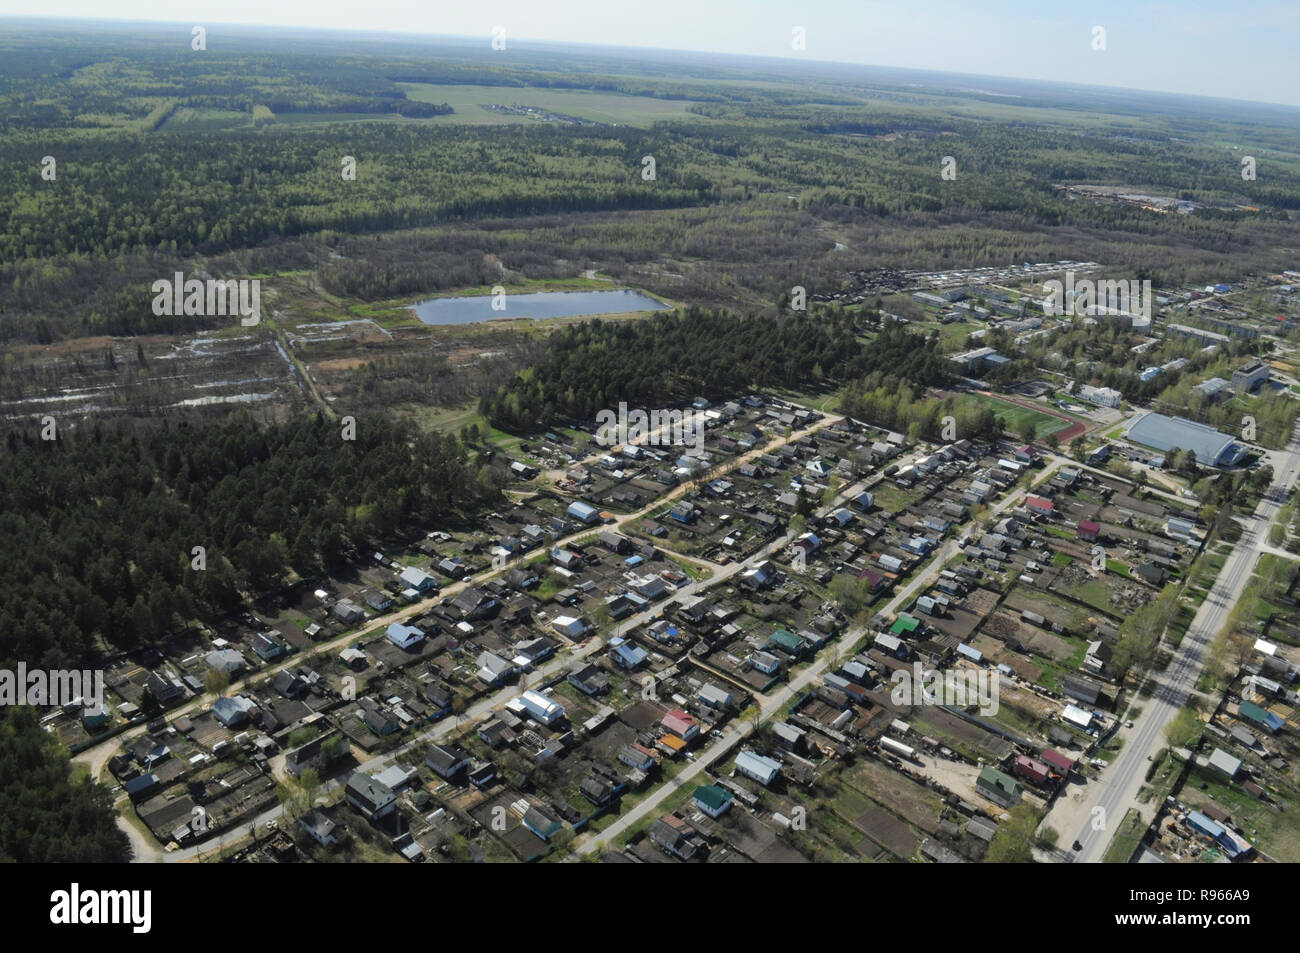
x=1232 y=50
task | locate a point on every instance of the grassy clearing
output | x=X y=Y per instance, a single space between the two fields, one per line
x=1125 y=843
x=470 y=102
x=826 y=403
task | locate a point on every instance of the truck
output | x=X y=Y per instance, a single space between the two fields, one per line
x=898 y=748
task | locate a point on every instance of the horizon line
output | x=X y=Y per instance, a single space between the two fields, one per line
x=784 y=60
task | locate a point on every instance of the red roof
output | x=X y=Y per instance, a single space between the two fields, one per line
x=678 y=722
x=872 y=577
x=1088 y=526
x=1039 y=503
x=1030 y=768
x=1056 y=760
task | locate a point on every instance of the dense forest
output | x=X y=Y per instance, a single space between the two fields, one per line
x=670 y=358
x=886 y=400
x=46 y=815
x=162 y=162
x=135 y=191
x=132 y=153
x=100 y=525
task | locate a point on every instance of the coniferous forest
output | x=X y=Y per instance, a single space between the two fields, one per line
x=355 y=177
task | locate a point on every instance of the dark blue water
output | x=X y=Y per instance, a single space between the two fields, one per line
x=543 y=304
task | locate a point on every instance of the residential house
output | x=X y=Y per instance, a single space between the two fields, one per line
x=418 y=579
x=712 y=799
x=542 y=822
x=165 y=685
x=321 y=828
x=637 y=757
x=569 y=626
x=540 y=707
x=475 y=603
x=404 y=636
x=370 y=796
x=681 y=724
x=376 y=599
x=493 y=669
x=584 y=512
x=674 y=836
x=348 y=612
x=268 y=647
x=626 y=655
x=1000 y=788
x=762 y=769
x=716 y=698
x=225 y=660
x=1033 y=770
x=590 y=680
x=447 y=760
x=233 y=712
x=597 y=790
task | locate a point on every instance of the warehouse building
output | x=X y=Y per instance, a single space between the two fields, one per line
x=1212 y=447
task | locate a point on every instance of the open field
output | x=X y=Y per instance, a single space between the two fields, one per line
x=609 y=108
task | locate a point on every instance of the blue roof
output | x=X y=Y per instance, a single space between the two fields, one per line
x=397 y=632
x=139 y=783
x=1204 y=824
x=1212 y=447
x=630 y=655
x=753 y=763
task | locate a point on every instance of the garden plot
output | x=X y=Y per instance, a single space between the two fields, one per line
x=888 y=831
x=918 y=805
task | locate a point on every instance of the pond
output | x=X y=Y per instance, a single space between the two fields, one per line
x=543 y=304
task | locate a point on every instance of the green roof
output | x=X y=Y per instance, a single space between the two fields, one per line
x=786 y=640
x=905 y=623
x=712 y=796
x=1257 y=714
x=993 y=778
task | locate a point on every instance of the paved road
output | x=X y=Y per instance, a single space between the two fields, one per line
x=1116 y=791
x=772 y=703
x=769 y=703
x=96 y=756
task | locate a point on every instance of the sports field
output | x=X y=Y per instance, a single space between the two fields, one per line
x=1016 y=416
